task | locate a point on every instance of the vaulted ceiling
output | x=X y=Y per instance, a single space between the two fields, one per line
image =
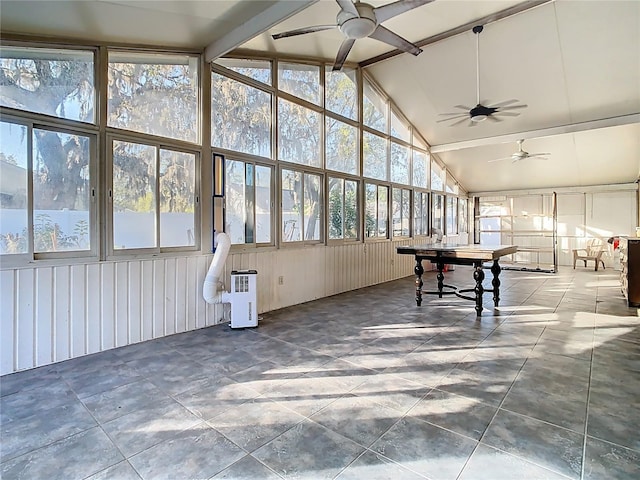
x=575 y=64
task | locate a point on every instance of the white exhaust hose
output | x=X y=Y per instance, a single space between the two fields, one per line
x=211 y=289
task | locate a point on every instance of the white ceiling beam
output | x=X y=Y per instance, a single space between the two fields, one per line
x=543 y=132
x=256 y=25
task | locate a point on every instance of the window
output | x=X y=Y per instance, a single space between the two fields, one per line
x=374 y=109
x=154 y=197
x=374 y=150
x=50 y=81
x=300 y=135
x=302 y=81
x=155 y=94
x=437 y=216
x=420 y=213
x=452 y=215
x=301 y=206
x=341 y=146
x=248 y=201
x=47 y=202
x=399 y=128
x=437 y=176
x=240 y=117
x=343 y=209
x=401 y=212
x=463 y=215
x=341 y=90
x=376 y=210
x=420 y=169
x=399 y=164
x=258 y=70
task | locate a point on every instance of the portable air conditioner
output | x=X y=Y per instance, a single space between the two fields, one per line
x=244 y=311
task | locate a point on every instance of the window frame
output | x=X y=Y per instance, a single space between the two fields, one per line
x=403 y=190
x=321 y=214
x=387 y=211
x=359 y=196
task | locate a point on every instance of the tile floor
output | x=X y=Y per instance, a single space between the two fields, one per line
x=363 y=385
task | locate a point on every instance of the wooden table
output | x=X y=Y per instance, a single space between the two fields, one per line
x=453 y=254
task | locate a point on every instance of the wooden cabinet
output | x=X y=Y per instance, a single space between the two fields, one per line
x=630 y=270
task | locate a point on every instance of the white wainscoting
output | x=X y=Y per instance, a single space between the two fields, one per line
x=53 y=313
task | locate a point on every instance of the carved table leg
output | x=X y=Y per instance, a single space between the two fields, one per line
x=478 y=276
x=495 y=269
x=418 y=271
x=440 y=278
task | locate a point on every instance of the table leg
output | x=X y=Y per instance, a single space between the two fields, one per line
x=440 y=277
x=418 y=271
x=495 y=269
x=478 y=276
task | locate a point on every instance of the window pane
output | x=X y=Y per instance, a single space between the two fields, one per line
x=60 y=191
x=154 y=93
x=438 y=213
x=235 y=201
x=291 y=206
x=14 y=231
x=259 y=70
x=240 y=117
x=421 y=213
x=420 y=169
x=383 y=204
x=399 y=164
x=350 y=209
x=399 y=128
x=418 y=142
x=300 y=80
x=400 y=207
x=134 y=195
x=375 y=156
x=312 y=206
x=437 y=174
x=49 y=81
x=462 y=216
x=342 y=146
x=263 y=204
x=371 y=210
x=341 y=91
x=452 y=216
x=374 y=109
x=336 y=208
x=177 y=198
x=299 y=138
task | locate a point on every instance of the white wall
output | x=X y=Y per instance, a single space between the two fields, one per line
x=53 y=313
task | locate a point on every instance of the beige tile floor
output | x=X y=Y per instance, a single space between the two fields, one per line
x=363 y=385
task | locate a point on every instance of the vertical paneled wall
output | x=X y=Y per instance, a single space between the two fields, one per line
x=53 y=313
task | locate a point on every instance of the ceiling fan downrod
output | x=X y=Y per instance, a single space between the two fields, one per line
x=478 y=116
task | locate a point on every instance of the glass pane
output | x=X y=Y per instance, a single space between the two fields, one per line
x=240 y=117
x=374 y=109
x=396 y=210
x=399 y=128
x=14 y=232
x=383 y=204
x=342 y=146
x=134 y=195
x=420 y=169
x=299 y=138
x=406 y=212
x=336 y=208
x=291 y=206
x=341 y=92
x=234 y=201
x=371 y=210
x=177 y=198
x=154 y=93
x=259 y=70
x=399 y=164
x=61 y=191
x=375 y=156
x=438 y=215
x=463 y=221
x=418 y=142
x=263 y=204
x=420 y=213
x=300 y=80
x=49 y=81
x=437 y=173
x=452 y=216
x=350 y=209
x=312 y=207
x=249 y=205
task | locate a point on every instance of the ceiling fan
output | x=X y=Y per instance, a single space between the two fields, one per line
x=359 y=20
x=521 y=155
x=482 y=112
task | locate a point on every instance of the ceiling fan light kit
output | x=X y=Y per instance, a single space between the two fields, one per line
x=357 y=20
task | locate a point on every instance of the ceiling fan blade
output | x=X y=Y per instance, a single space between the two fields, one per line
x=464 y=115
x=504 y=104
x=539 y=155
x=345 y=48
x=506 y=114
x=348 y=6
x=512 y=107
x=500 y=159
x=454 y=124
x=390 y=10
x=387 y=36
x=462 y=107
x=302 y=31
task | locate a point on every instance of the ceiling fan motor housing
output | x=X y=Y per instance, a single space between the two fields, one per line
x=480 y=112
x=358 y=27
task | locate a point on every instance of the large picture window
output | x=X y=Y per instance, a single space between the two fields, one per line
x=47 y=200
x=343 y=209
x=341 y=92
x=155 y=94
x=420 y=169
x=301 y=206
x=376 y=210
x=341 y=146
x=154 y=197
x=399 y=163
x=248 y=202
x=300 y=136
x=49 y=81
x=374 y=150
x=374 y=109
